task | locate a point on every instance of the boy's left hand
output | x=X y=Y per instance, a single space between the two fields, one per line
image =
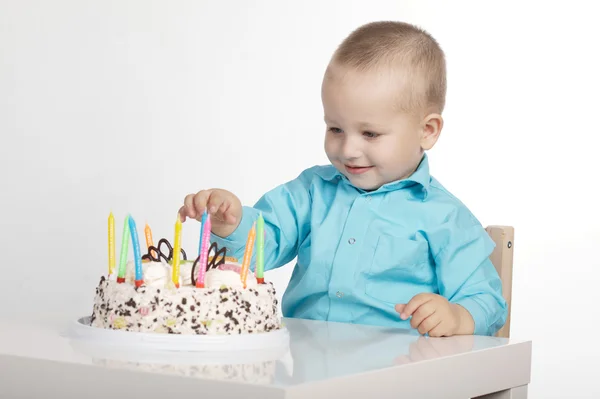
x=432 y=314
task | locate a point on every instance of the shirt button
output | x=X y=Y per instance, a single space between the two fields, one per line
x=368 y=198
x=351 y=241
x=339 y=294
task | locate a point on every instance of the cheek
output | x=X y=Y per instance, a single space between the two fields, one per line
x=330 y=146
x=384 y=152
x=392 y=153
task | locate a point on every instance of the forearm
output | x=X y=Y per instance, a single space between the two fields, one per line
x=278 y=249
x=235 y=243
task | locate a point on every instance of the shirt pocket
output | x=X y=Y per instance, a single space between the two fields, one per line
x=400 y=268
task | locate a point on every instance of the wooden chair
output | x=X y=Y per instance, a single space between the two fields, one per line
x=502 y=258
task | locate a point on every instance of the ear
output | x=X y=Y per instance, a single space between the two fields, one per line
x=431 y=127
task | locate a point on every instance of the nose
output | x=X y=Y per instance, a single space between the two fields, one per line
x=351 y=148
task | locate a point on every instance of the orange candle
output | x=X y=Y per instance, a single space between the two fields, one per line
x=248 y=254
x=149 y=242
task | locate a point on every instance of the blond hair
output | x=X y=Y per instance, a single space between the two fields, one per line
x=405 y=47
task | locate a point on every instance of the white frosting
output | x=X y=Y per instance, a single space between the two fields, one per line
x=155 y=274
x=185 y=273
x=158 y=274
x=215 y=278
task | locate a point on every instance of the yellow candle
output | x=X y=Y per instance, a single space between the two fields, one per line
x=149 y=242
x=111 y=244
x=248 y=254
x=176 y=252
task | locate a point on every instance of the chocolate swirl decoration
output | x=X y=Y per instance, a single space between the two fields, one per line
x=212 y=263
x=155 y=254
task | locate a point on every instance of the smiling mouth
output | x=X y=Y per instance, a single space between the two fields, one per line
x=357 y=170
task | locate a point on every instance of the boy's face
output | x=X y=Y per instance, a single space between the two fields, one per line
x=368 y=138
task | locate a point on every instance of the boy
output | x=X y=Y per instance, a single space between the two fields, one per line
x=378 y=240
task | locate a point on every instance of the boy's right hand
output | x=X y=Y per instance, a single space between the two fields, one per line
x=225 y=210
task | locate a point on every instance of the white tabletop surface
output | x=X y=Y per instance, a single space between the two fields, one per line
x=324 y=358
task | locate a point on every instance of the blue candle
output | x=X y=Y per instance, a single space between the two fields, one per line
x=139 y=278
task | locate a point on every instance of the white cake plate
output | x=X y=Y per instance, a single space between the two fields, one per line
x=150 y=347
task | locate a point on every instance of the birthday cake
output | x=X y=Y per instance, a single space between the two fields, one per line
x=161 y=293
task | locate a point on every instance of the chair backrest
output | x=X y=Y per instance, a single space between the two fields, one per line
x=502 y=258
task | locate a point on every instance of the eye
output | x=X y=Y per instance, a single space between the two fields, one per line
x=335 y=130
x=371 y=135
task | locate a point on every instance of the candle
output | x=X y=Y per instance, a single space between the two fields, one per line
x=176 y=252
x=111 y=244
x=201 y=232
x=248 y=254
x=137 y=256
x=124 y=251
x=205 y=244
x=149 y=242
x=260 y=249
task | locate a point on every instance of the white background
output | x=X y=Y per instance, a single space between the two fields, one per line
x=129 y=106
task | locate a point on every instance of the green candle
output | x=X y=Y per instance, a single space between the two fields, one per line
x=124 y=252
x=260 y=250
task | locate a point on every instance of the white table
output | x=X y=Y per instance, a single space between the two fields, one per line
x=325 y=360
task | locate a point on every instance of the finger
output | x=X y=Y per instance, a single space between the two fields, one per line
x=225 y=211
x=182 y=214
x=429 y=323
x=216 y=210
x=188 y=207
x=400 y=307
x=439 y=330
x=215 y=201
x=414 y=304
x=200 y=200
x=422 y=313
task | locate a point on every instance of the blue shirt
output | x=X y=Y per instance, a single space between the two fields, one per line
x=359 y=253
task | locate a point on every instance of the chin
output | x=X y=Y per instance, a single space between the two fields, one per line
x=369 y=187
x=364 y=185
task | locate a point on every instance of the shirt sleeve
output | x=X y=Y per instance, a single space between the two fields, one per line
x=286 y=212
x=465 y=273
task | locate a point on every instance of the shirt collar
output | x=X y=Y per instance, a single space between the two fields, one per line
x=420 y=178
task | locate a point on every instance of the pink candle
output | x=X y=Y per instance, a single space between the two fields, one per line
x=203 y=262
